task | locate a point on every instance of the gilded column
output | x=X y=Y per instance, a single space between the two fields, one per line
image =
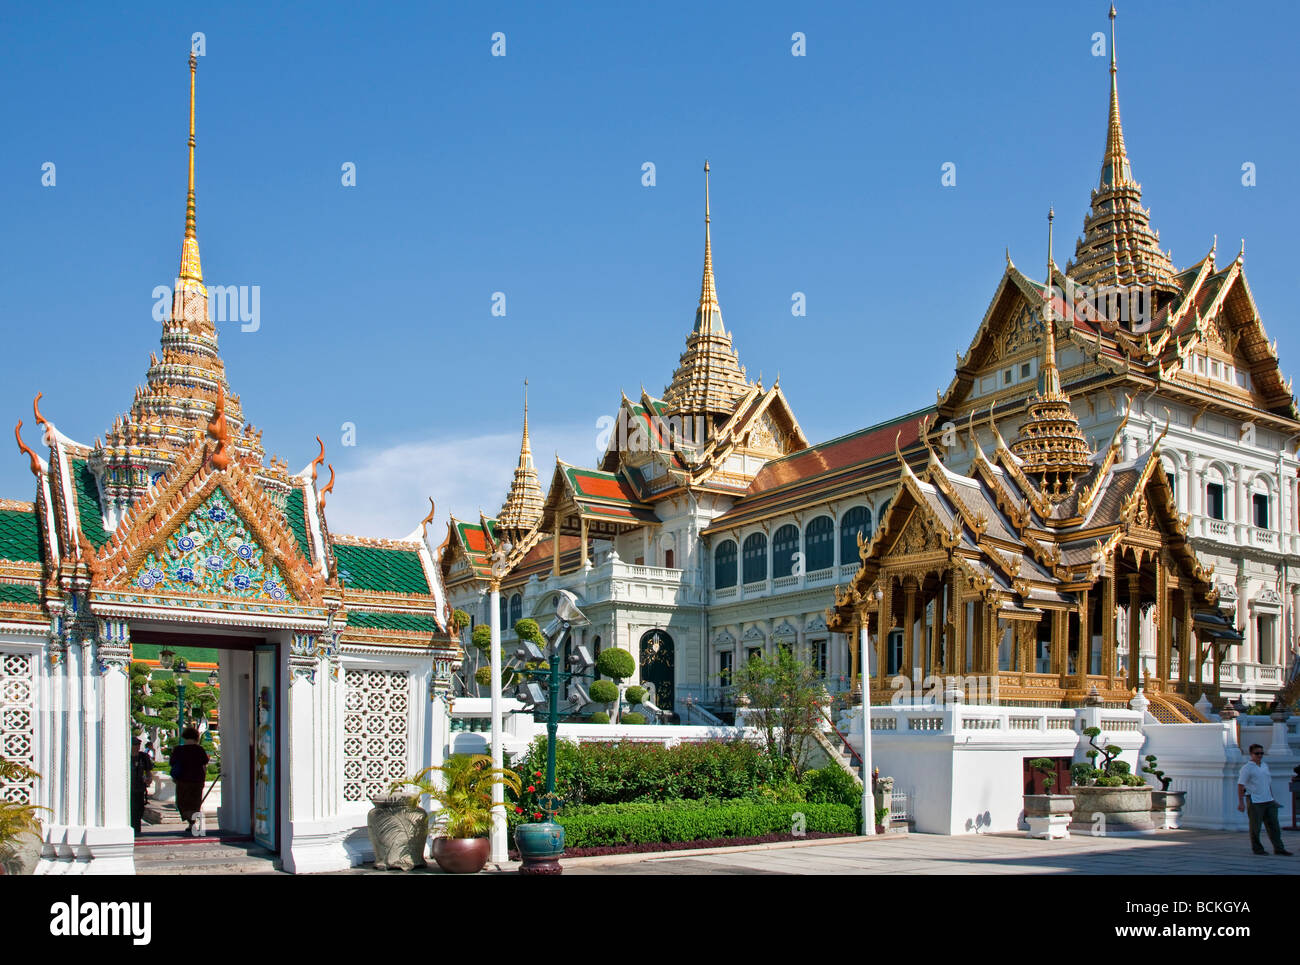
x=1108 y=618
x=1134 y=630
x=909 y=624
x=1085 y=641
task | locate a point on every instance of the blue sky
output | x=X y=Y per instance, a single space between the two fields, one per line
x=522 y=174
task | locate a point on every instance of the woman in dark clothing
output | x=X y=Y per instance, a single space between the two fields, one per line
x=189 y=764
x=141 y=770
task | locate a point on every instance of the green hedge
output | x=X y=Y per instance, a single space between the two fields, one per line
x=645 y=823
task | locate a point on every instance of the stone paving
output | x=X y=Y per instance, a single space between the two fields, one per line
x=1165 y=853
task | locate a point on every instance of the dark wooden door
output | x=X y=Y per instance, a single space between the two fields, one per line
x=1034 y=778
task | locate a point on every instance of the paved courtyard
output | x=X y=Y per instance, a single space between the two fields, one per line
x=1167 y=853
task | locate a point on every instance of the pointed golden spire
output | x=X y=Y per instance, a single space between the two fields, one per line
x=708 y=317
x=1051 y=375
x=523 y=505
x=191 y=273
x=1115 y=168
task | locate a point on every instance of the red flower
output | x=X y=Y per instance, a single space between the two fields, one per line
x=519 y=810
x=537 y=773
x=538 y=815
x=532 y=788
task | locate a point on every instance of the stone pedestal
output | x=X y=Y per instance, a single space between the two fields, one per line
x=1048 y=815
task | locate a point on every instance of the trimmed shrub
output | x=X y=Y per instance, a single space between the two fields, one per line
x=605 y=772
x=695 y=820
x=604 y=691
x=831 y=784
x=483 y=676
x=615 y=662
x=481 y=638
x=600 y=717
x=527 y=629
x=633 y=718
x=636 y=695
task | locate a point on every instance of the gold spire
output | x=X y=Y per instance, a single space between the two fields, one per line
x=709 y=377
x=191 y=273
x=1051 y=445
x=1118 y=246
x=708 y=316
x=523 y=505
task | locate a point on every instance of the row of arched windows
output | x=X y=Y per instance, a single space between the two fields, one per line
x=512 y=610
x=818 y=548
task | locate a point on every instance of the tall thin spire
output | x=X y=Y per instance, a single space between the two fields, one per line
x=1118 y=246
x=1051 y=376
x=708 y=317
x=709 y=377
x=191 y=272
x=523 y=505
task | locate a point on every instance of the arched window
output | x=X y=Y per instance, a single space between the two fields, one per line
x=668 y=559
x=505 y=612
x=856 y=520
x=516 y=609
x=724 y=565
x=819 y=544
x=755 y=554
x=784 y=545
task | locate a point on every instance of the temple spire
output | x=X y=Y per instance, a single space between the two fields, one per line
x=709 y=377
x=708 y=316
x=1051 y=376
x=1119 y=248
x=523 y=505
x=191 y=270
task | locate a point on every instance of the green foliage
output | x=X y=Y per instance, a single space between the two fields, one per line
x=603 y=692
x=481 y=638
x=881 y=815
x=636 y=695
x=459 y=620
x=1109 y=772
x=1108 y=781
x=616 y=772
x=1083 y=774
x=614 y=824
x=633 y=718
x=831 y=784
x=1151 y=768
x=615 y=662
x=463 y=792
x=785 y=697
x=15 y=818
x=600 y=717
x=1046 y=767
x=527 y=629
x=483 y=676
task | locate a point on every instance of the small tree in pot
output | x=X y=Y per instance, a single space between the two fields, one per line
x=463 y=794
x=1166 y=805
x=1109 y=797
x=1048 y=814
x=20 y=829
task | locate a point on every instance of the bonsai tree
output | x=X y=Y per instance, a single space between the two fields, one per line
x=463 y=793
x=617 y=663
x=1157 y=774
x=603 y=692
x=1046 y=767
x=1112 y=772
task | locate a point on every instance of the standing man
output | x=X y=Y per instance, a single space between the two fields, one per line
x=189 y=763
x=141 y=771
x=1255 y=780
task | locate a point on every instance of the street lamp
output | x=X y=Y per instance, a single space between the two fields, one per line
x=165 y=657
x=179 y=670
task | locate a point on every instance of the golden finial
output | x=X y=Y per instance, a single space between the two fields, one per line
x=428 y=519
x=35 y=463
x=329 y=488
x=708 y=317
x=1051 y=377
x=318 y=461
x=191 y=268
x=1116 y=155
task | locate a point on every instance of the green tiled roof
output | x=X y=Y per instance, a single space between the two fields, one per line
x=392 y=621
x=19 y=593
x=20 y=536
x=150 y=651
x=294 y=512
x=89 y=516
x=380 y=569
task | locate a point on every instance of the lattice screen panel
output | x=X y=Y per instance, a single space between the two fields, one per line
x=374 y=731
x=18 y=721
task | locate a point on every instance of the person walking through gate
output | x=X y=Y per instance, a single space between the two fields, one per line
x=141 y=770
x=189 y=764
x=1256 y=782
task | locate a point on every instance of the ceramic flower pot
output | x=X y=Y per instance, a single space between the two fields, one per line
x=20 y=855
x=540 y=846
x=461 y=856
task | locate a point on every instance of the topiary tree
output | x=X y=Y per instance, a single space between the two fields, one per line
x=636 y=695
x=459 y=621
x=604 y=692
x=481 y=638
x=600 y=717
x=632 y=717
x=527 y=629
x=617 y=663
x=1151 y=768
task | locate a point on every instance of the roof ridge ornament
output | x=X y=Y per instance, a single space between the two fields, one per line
x=219 y=430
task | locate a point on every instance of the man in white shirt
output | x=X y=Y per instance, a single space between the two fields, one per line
x=1255 y=780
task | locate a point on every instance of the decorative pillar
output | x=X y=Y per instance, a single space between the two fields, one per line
x=584 y=544
x=1109 y=615
x=909 y=624
x=1134 y=630
x=884 y=624
x=1163 y=619
x=555 y=550
x=1085 y=641
x=959 y=643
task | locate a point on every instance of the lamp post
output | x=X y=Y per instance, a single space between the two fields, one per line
x=179 y=674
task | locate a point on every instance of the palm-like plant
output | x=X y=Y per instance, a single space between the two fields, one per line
x=16 y=818
x=463 y=792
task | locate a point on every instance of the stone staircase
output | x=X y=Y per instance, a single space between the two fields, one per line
x=167 y=849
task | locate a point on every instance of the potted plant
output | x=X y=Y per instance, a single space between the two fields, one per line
x=1109 y=799
x=1048 y=814
x=464 y=798
x=1166 y=805
x=398 y=829
x=20 y=830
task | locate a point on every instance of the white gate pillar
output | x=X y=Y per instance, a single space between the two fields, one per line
x=312 y=791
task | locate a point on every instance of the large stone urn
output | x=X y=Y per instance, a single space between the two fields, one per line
x=1048 y=815
x=399 y=829
x=20 y=855
x=1103 y=811
x=1167 y=809
x=540 y=845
